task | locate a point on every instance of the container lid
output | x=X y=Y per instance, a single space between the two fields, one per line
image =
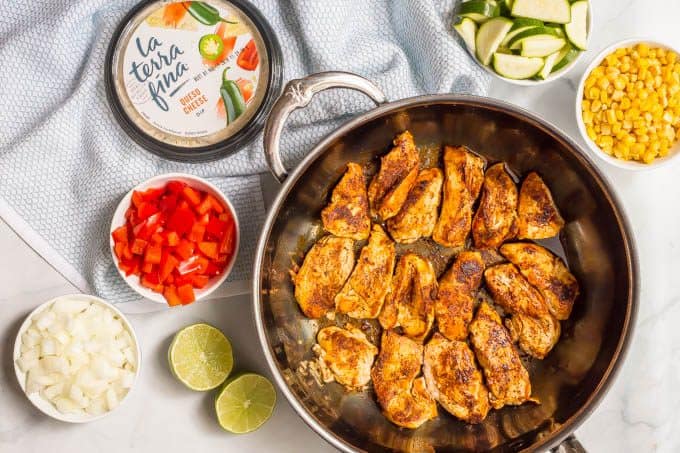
x=193 y=81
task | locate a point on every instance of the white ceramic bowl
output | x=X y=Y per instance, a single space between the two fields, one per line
x=160 y=181
x=551 y=77
x=41 y=403
x=592 y=146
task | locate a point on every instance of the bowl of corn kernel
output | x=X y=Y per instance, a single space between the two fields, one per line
x=628 y=104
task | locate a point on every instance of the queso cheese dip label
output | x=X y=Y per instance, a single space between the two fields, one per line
x=191 y=71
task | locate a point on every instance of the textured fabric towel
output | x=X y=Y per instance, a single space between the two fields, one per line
x=65 y=163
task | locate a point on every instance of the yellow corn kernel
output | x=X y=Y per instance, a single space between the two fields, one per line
x=616 y=129
x=593 y=93
x=604 y=97
x=587 y=117
x=591 y=133
x=611 y=116
x=603 y=83
x=596 y=105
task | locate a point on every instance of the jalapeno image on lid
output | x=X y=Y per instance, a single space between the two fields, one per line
x=193 y=81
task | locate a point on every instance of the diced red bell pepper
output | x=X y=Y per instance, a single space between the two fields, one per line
x=192 y=264
x=209 y=249
x=186 y=294
x=200 y=281
x=150 y=281
x=120 y=234
x=204 y=219
x=167 y=265
x=181 y=221
x=228 y=240
x=175 y=187
x=197 y=232
x=137 y=199
x=153 y=254
x=153 y=194
x=138 y=246
x=157 y=238
x=129 y=266
x=168 y=203
x=208 y=203
x=170 y=279
x=191 y=195
x=213 y=269
x=147 y=267
x=185 y=249
x=215 y=228
x=119 y=248
x=146 y=210
x=184 y=279
x=172 y=238
x=170 y=294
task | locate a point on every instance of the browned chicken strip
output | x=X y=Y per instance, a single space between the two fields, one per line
x=398 y=172
x=531 y=324
x=535 y=336
x=410 y=303
x=496 y=217
x=418 y=214
x=348 y=354
x=513 y=292
x=464 y=172
x=347 y=214
x=364 y=292
x=454 y=380
x=402 y=395
x=455 y=303
x=506 y=378
x=538 y=217
x=322 y=274
x=546 y=272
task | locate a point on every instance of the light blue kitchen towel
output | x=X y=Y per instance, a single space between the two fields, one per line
x=65 y=163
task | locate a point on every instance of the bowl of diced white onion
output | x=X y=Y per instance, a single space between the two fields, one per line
x=76 y=357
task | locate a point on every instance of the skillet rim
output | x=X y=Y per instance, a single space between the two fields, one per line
x=632 y=303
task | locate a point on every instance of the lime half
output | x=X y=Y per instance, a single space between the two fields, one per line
x=200 y=357
x=245 y=403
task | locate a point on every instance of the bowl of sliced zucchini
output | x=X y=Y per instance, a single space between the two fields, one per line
x=525 y=42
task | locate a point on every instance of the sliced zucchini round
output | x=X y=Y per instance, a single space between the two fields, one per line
x=577 y=29
x=490 y=36
x=516 y=67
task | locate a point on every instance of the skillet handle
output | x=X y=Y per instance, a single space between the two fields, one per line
x=569 y=445
x=297 y=94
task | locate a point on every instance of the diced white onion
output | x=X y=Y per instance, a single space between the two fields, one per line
x=79 y=356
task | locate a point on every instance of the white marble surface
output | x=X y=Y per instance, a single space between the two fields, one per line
x=639 y=414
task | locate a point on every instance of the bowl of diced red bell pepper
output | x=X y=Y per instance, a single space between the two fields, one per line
x=174 y=238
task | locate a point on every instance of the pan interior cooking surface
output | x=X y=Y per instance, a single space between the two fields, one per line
x=593 y=243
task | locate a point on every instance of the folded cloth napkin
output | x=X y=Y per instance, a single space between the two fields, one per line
x=65 y=163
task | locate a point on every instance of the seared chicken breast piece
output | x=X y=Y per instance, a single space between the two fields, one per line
x=531 y=324
x=463 y=172
x=454 y=380
x=537 y=214
x=535 y=336
x=398 y=172
x=418 y=214
x=347 y=214
x=403 y=396
x=410 y=303
x=364 y=292
x=348 y=354
x=513 y=292
x=546 y=272
x=496 y=218
x=506 y=378
x=455 y=303
x=322 y=274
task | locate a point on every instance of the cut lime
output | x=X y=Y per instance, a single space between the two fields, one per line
x=200 y=357
x=245 y=403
